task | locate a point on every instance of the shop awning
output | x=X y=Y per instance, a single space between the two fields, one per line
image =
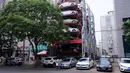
x=42 y=53
x=79 y=41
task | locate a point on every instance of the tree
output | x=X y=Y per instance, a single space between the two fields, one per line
x=6 y=41
x=126 y=30
x=33 y=19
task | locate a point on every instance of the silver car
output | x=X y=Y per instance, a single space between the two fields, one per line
x=68 y=63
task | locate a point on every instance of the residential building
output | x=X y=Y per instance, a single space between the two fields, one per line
x=91 y=34
x=108 y=33
x=98 y=52
x=122 y=14
x=99 y=45
x=2 y=3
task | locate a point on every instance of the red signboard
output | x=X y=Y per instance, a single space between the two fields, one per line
x=76 y=41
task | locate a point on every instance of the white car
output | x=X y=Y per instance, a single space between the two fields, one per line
x=42 y=60
x=67 y=4
x=85 y=63
x=50 y=61
x=124 y=65
x=69 y=12
x=14 y=61
x=73 y=30
x=70 y=21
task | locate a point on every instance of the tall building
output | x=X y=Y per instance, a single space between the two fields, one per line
x=122 y=14
x=107 y=33
x=3 y=3
x=92 y=39
x=76 y=41
x=99 y=45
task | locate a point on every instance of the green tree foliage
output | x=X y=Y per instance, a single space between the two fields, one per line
x=35 y=19
x=126 y=29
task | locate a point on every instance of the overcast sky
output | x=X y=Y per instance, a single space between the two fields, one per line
x=99 y=8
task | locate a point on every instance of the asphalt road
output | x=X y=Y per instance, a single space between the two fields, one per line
x=50 y=70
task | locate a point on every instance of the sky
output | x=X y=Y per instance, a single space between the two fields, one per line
x=99 y=8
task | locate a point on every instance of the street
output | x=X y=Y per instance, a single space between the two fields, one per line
x=6 y=69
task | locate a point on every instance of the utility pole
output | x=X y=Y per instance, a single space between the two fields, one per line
x=84 y=32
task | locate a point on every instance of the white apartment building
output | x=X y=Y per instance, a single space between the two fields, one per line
x=108 y=33
x=99 y=45
x=122 y=14
x=3 y=3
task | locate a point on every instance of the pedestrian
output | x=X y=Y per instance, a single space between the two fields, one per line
x=58 y=65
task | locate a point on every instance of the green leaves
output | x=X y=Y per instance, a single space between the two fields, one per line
x=33 y=19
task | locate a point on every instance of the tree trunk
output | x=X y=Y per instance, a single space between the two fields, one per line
x=36 y=45
x=32 y=45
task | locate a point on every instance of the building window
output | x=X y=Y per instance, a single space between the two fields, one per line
x=92 y=32
x=110 y=51
x=125 y=19
x=92 y=26
x=108 y=20
x=109 y=28
x=91 y=19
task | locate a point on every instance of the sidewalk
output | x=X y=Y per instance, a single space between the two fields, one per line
x=30 y=65
x=1 y=64
x=25 y=66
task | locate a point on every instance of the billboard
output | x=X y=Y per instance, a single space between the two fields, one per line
x=40 y=48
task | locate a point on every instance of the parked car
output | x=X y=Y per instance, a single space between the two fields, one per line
x=42 y=60
x=105 y=57
x=85 y=63
x=73 y=29
x=50 y=61
x=67 y=4
x=78 y=57
x=61 y=58
x=13 y=61
x=104 y=65
x=18 y=61
x=68 y=63
x=70 y=21
x=124 y=65
x=69 y=12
